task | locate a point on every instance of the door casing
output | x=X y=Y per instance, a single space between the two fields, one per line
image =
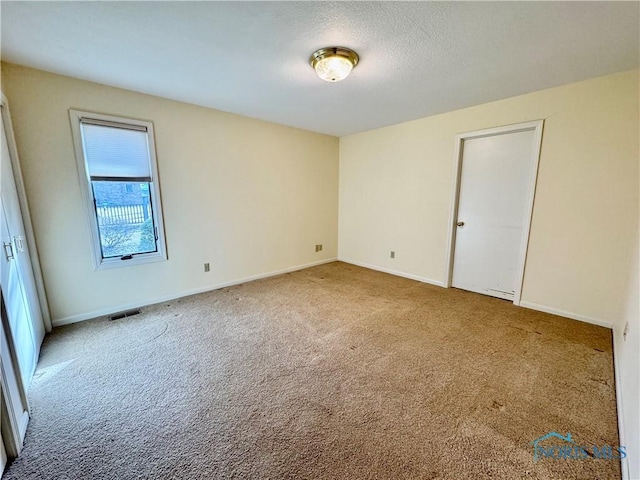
x=537 y=127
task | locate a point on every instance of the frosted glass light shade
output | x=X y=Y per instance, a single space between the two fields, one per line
x=333 y=69
x=333 y=64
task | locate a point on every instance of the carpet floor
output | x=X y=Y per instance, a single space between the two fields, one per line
x=333 y=372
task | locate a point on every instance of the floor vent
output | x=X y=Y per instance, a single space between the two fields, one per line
x=128 y=313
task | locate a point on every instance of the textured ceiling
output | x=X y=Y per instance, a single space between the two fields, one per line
x=416 y=58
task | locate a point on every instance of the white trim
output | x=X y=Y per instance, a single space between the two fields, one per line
x=26 y=215
x=165 y=298
x=564 y=313
x=624 y=462
x=99 y=262
x=537 y=127
x=394 y=272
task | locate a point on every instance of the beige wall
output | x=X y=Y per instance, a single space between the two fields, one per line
x=396 y=192
x=250 y=197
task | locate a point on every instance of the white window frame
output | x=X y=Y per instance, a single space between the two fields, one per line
x=101 y=263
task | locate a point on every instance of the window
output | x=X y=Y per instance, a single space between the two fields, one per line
x=119 y=177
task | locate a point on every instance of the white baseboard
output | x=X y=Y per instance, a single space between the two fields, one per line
x=564 y=313
x=525 y=304
x=165 y=298
x=624 y=462
x=393 y=272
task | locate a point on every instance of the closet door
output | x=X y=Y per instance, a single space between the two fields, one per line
x=25 y=322
x=22 y=304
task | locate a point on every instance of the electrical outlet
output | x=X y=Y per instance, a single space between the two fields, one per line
x=626 y=331
x=319 y=247
x=392 y=254
x=207 y=267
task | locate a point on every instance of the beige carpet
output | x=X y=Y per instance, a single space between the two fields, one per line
x=334 y=372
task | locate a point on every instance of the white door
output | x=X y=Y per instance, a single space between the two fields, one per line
x=493 y=210
x=16 y=276
x=23 y=303
x=19 y=322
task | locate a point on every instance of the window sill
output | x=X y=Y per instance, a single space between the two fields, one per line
x=109 y=263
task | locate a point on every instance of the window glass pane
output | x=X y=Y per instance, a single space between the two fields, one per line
x=125 y=218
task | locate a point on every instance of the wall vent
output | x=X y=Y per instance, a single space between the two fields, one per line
x=128 y=313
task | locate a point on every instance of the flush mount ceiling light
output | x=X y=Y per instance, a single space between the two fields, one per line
x=333 y=64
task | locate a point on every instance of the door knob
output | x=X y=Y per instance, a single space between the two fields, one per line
x=460 y=224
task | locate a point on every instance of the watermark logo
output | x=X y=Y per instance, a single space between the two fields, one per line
x=565 y=448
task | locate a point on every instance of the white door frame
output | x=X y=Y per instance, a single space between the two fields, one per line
x=535 y=126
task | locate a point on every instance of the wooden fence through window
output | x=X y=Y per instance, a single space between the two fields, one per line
x=122 y=214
